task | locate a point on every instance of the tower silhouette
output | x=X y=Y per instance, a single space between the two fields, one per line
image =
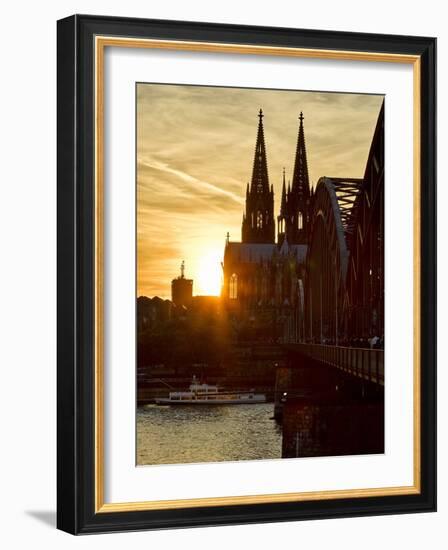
x=282 y=218
x=297 y=201
x=258 y=220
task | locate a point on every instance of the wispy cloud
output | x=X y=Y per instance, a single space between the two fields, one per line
x=195 y=148
x=196 y=184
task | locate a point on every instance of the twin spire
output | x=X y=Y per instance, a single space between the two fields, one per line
x=260 y=178
x=258 y=221
x=300 y=181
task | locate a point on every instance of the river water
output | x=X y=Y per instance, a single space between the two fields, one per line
x=189 y=434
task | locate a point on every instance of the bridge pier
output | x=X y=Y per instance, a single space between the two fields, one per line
x=332 y=426
x=327 y=411
x=282 y=384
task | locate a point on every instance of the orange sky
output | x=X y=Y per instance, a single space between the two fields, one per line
x=195 y=150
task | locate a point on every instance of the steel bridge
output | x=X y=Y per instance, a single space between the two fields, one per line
x=330 y=388
x=343 y=307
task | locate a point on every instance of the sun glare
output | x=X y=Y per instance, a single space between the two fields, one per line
x=209 y=276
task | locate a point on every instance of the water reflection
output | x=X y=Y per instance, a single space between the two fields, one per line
x=187 y=434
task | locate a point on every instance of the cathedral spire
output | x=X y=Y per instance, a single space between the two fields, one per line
x=283 y=203
x=299 y=194
x=283 y=216
x=260 y=179
x=259 y=223
x=300 y=180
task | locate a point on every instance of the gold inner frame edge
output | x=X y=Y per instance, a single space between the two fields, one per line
x=101 y=42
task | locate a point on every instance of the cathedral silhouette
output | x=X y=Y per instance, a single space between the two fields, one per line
x=263 y=279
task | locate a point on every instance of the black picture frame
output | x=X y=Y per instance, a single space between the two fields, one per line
x=76 y=512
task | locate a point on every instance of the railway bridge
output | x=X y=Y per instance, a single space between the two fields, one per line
x=330 y=392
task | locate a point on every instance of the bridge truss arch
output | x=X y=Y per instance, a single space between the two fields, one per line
x=344 y=275
x=328 y=258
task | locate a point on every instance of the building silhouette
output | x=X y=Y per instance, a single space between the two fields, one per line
x=182 y=289
x=151 y=312
x=263 y=278
x=322 y=279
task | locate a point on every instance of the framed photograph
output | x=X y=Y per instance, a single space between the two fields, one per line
x=246 y=274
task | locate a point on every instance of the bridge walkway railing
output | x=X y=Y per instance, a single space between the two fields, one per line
x=363 y=363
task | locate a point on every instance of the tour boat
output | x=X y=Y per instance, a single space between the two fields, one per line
x=205 y=394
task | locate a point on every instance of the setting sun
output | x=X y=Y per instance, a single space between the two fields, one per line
x=208 y=278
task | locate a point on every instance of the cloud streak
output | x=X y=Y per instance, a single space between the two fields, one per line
x=194 y=182
x=195 y=149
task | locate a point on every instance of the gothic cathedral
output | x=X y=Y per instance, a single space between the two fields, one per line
x=263 y=279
